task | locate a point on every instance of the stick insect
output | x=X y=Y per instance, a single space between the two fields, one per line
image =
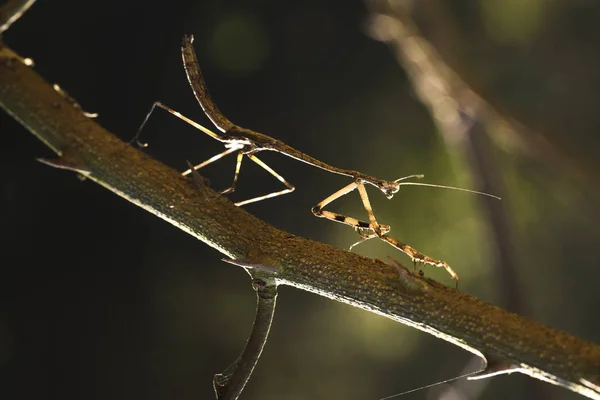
x=248 y=143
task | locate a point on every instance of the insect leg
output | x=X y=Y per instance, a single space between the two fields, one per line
x=178 y=115
x=365 y=229
x=419 y=257
x=378 y=229
x=210 y=160
x=290 y=187
x=238 y=165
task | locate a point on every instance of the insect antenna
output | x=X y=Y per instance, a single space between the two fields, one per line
x=418 y=176
x=443 y=187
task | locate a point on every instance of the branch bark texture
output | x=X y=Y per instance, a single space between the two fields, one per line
x=507 y=341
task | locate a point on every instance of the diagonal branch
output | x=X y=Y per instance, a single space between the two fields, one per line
x=509 y=342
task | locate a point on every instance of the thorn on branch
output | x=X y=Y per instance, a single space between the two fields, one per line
x=67 y=162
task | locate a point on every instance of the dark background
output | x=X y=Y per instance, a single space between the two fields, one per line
x=101 y=300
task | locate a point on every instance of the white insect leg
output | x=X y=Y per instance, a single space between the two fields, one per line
x=364 y=238
x=238 y=166
x=240 y=156
x=290 y=187
x=210 y=160
x=178 y=115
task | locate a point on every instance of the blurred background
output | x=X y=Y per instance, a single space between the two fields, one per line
x=102 y=300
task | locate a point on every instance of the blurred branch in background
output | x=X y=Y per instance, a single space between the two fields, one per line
x=558 y=112
x=465 y=120
x=461 y=117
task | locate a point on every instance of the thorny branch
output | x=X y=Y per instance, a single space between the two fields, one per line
x=508 y=342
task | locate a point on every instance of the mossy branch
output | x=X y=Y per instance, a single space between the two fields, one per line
x=507 y=341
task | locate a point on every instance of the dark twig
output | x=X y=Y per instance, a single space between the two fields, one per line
x=11 y=11
x=229 y=384
x=509 y=342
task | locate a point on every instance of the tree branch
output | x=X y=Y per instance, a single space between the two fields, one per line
x=229 y=384
x=509 y=342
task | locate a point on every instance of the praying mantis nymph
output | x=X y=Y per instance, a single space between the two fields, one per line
x=248 y=143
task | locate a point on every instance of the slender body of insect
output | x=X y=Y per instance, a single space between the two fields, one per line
x=247 y=142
